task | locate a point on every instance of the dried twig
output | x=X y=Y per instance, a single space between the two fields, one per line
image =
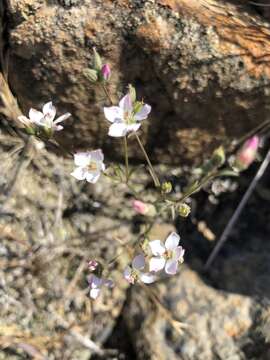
x=86 y=342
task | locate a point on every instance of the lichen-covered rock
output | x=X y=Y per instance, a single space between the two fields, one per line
x=216 y=321
x=205 y=73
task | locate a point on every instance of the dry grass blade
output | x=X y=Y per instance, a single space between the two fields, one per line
x=10 y=108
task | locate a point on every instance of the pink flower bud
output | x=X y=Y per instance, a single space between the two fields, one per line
x=140 y=207
x=92 y=265
x=143 y=208
x=106 y=72
x=247 y=154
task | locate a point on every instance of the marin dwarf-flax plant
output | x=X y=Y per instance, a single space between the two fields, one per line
x=149 y=260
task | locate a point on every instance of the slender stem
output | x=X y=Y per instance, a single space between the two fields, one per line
x=126 y=158
x=152 y=171
x=107 y=93
x=238 y=211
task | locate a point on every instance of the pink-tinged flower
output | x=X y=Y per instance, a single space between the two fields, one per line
x=106 y=72
x=96 y=285
x=89 y=165
x=134 y=273
x=44 y=119
x=247 y=154
x=92 y=265
x=166 y=255
x=126 y=117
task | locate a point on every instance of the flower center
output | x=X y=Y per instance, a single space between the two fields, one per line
x=128 y=117
x=168 y=254
x=92 y=166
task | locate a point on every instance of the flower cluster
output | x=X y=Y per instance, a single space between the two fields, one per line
x=124 y=119
x=165 y=256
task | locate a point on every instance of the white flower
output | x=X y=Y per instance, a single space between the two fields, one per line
x=45 y=118
x=89 y=165
x=126 y=117
x=96 y=284
x=168 y=255
x=134 y=273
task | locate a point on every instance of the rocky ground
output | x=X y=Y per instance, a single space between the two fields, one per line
x=51 y=225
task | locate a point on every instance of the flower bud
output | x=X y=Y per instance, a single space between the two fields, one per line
x=184 y=210
x=218 y=158
x=247 y=154
x=92 y=265
x=97 y=60
x=132 y=92
x=143 y=208
x=106 y=72
x=166 y=187
x=91 y=75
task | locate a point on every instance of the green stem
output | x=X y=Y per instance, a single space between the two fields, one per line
x=126 y=158
x=107 y=93
x=152 y=171
x=197 y=188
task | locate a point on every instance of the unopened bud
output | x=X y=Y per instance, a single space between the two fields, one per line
x=91 y=75
x=97 y=60
x=247 y=154
x=143 y=208
x=218 y=158
x=132 y=93
x=184 y=210
x=106 y=72
x=166 y=187
x=92 y=265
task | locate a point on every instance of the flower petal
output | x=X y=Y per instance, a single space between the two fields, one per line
x=157 y=247
x=94 y=281
x=92 y=177
x=109 y=283
x=57 y=127
x=128 y=275
x=82 y=158
x=118 y=130
x=147 y=278
x=35 y=116
x=133 y=127
x=94 y=293
x=143 y=112
x=138 y=262
x=178 y=253
x=156 y=264
x=62 y=118
x=113 y=113
x=172 y=241
x=171 y=267
x=126 y=103
x=79 y=173
x=49 y=110
x=97 y=155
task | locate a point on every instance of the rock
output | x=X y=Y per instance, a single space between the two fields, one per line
x=216 y=321
x=198 y=63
